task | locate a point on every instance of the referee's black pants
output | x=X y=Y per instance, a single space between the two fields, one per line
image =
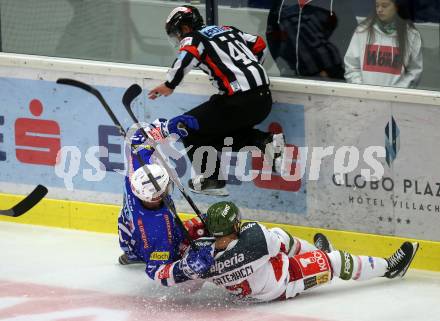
x=230 y=116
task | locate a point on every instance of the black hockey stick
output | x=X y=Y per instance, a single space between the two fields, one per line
x=130 y=94
x=27 y=203
x=153 y=180
x=97 y=94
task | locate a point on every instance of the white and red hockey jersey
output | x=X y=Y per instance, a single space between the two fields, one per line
x=255 y=265
x=262 y=264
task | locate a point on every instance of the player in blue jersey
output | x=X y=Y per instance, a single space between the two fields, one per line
x=148 y=232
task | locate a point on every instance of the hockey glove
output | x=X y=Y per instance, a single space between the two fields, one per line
x=179 y=124
x=156 y=131
x=197 y=263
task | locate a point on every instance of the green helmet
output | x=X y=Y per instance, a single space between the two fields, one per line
x=222 y=217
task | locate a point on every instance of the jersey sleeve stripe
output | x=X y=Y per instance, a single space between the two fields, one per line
x=181 y=67
x=192 y=50
x=122 y=228
x=259 y=45
x=219 y=74
x=297 y=246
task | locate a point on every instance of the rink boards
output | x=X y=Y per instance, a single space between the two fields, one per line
x=103 y=218
x=390 y=130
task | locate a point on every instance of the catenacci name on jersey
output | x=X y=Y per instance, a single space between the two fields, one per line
x=234 y=276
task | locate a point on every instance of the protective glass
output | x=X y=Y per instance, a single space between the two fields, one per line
x=174 y=41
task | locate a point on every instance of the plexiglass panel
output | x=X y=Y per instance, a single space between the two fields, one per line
x=379 y=42
x=105 y=30
x=307 y=38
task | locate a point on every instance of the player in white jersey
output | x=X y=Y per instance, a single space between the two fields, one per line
x=262 y=264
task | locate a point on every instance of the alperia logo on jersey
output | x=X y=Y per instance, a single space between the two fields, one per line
x=221 y=265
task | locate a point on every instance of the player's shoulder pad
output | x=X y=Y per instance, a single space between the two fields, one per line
x=138 y=138
x=249 y=225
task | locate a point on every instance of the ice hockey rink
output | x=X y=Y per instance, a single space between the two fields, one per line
x=68 y=275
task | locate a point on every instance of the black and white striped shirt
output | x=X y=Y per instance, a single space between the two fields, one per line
x=230 y=57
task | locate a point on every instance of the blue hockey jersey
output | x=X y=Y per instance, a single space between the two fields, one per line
x=144 y=234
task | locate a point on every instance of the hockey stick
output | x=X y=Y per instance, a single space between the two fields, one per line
x=97 y=94
x=27 y=203
x=130 y=94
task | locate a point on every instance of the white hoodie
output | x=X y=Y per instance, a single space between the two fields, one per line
x=376 y=63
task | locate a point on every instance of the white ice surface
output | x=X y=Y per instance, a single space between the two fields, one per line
x=65 y=275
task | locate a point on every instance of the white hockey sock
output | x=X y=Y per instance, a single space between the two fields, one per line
x=347 y=266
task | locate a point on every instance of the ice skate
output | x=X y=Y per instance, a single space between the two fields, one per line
x=208 y=186
x=399 y=262
x=322 y=243
x=274 y=151
x=125 y=260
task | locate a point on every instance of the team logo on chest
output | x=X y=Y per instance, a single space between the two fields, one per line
x=221 y=265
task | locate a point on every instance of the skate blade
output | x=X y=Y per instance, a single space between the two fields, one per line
x=129 y=262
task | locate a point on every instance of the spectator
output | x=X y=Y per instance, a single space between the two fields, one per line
x=385 y=48
x=425 y=11
x=264 y=4
x=298 y=39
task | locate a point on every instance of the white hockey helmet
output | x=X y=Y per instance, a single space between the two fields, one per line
x=143 y=187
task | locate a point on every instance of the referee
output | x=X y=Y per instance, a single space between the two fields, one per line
x=233 y=61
